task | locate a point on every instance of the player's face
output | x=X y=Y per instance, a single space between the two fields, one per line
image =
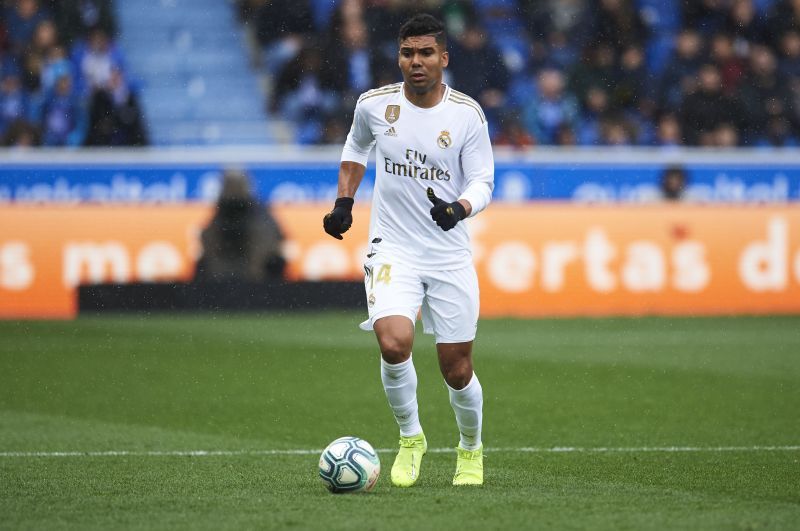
x=421 y=61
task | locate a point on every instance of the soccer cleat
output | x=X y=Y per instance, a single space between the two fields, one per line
x=469 y=467
x=405 y=470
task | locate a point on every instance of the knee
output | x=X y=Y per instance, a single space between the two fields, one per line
x=458 y=374
x=394 y=349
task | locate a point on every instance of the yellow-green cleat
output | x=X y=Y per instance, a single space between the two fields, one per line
x=469 y=467
x=405 y=470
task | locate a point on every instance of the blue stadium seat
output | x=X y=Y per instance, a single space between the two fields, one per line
x=191 y=61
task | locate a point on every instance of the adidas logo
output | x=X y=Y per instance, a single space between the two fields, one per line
x=390 y=132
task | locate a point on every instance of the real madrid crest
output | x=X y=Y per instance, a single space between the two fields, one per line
x=444 y=140
x=392 y=113
x=371 y=300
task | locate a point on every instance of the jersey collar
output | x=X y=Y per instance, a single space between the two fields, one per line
x=429 y=110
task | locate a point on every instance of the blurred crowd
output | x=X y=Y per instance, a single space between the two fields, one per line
x=63 y=80
x=717 y=73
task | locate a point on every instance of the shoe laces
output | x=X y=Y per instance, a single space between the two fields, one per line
x=469 y=454
x=408 y=442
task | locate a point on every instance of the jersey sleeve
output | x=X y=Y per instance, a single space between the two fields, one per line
x=477 y=162
x=360 y=138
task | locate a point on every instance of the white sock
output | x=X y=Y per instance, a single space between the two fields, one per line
x=400 y=383
x=468 y=406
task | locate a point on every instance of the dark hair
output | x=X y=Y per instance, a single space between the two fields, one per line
x=671 y=189
x=421 y=25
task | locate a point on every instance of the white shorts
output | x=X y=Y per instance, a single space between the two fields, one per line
x=447 y=300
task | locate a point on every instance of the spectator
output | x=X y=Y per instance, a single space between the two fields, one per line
x=77 y=19
x=457 y=15
x=14 y=103
x=617 y=22
x=114 y=115
x=560 y=52
x=21 y=134
x=594 y=109
x=784 y=16
x=36 y=53
x=301 y=96
x=705 y=109
x=513 y=134
x=673 y=183
x=730 y=65
x=97 y=58
x=351 y=66
x=282 y=28
x=3 y=35
x=21 y=22
x=679 y=76
x=242 y=242
x=790 y=68
x=778 y=133
x=565 y=136
x=668 y=131
x=705 y=16
x=478 y=70
x=616 y=131
x=335 y=129
x=597 y=68
x=631 y=89
x=725 y=135
x=744 y=24
x=570 y=17
x=790 y=54
x=56 y=65
x=552 y=108
x=64 y=117
x=764 y=93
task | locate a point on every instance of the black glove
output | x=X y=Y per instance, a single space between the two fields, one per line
x=445 y=214
x=338 y=220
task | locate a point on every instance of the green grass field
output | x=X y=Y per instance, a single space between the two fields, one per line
x=111 y=403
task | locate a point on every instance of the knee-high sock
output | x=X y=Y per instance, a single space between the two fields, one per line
x=468 y=406
x=400 y=383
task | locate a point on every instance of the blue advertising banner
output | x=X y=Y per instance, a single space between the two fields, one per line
x=290 y=175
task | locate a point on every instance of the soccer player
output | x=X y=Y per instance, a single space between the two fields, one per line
x=434 y=168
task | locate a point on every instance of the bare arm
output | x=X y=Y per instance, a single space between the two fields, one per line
x=350 y=175
x=467 y=206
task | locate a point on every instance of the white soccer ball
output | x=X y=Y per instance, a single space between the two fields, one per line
x=349 y=464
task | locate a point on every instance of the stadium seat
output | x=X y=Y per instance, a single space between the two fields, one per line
x=192 y=63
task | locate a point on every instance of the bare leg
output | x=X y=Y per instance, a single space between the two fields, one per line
x=466 y=394
x=395 y=337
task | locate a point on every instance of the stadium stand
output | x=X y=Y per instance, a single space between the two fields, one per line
x=198 y=87
x=715 y=73
x=63 y=80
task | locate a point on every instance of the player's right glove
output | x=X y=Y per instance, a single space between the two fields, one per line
x=338 y=221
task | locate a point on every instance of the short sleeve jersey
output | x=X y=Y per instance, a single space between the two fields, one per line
x=445 y=147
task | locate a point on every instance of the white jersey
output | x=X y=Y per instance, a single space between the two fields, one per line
x=445 y=147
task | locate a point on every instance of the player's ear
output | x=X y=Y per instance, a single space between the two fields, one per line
x=445 y=59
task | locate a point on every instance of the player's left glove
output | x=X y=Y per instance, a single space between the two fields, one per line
x=445 y=214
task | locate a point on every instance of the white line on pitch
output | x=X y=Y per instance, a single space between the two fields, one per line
x=531 y=450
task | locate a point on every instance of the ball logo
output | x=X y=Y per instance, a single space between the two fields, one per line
x=444 y=140
x=392 y=113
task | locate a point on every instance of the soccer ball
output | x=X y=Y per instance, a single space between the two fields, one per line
x=349 y=464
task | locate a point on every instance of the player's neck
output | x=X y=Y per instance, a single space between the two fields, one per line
x=426 y=100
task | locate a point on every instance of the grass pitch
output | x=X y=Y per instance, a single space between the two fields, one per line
x=96 y=414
